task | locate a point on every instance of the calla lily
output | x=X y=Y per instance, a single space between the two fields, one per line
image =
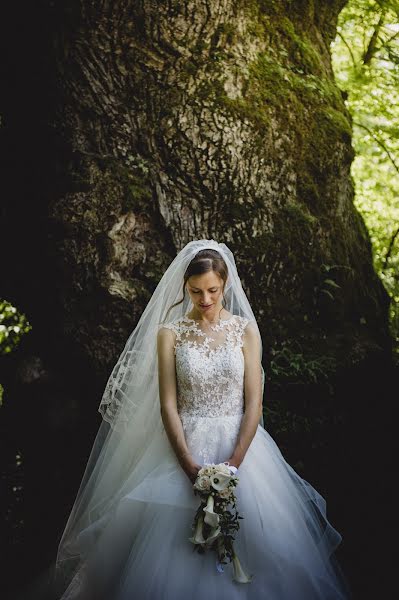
x=198 y=537
x=220 y=481
x=239 y=574
x=211 y=517
x=214 y=534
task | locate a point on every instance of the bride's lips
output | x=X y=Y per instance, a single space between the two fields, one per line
x=205 y=307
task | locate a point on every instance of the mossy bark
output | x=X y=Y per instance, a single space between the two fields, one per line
x=219 y=120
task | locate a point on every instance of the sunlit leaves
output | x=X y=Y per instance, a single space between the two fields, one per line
x=13 y=325
x=366 y=64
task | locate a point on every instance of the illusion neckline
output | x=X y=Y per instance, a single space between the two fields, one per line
x=187 y=318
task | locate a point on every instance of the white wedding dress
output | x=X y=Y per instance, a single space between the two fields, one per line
x=285 y=540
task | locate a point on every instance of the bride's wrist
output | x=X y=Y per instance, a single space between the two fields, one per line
x=235 y=461
x=184 y=456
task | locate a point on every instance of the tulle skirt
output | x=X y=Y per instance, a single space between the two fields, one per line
x=142 y=551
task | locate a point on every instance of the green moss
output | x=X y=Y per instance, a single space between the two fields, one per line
x=287 y=79
x=335 y=122
x=139 y=190
x=225 y=34
x=276 y=81
x=269 y=81
x=189 y=69
x=273 y=85
x=257 y=8
x=300 y=214
x=327 y=127
x=134 y=180
x=308 y=192
x=293 y=63
x=299 y=48
x=199 y=48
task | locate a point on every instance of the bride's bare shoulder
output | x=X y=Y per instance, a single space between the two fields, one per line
x=169 y=329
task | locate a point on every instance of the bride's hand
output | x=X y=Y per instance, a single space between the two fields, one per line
x=233 y=462
x=190 y=467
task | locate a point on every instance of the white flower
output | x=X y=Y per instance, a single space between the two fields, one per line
x=214 y=534
x=226 y=493
x=198 y=537
x=239 y=574
x=220 y=481
x=222 y=468
x=208 y=470
x=211 y=517
x=202 y=483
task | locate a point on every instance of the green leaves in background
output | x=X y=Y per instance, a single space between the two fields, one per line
x=13 y=325
x=366 y=64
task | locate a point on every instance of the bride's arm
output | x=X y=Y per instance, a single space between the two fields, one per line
x=167 y=395
x=252 y=394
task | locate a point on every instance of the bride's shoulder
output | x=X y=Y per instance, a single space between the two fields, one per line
x=240 y=320
x=246 y=328
x=173 y=325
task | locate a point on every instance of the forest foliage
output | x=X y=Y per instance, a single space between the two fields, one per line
x=365 y=56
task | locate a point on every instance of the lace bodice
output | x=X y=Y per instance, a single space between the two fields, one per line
x=209 y=367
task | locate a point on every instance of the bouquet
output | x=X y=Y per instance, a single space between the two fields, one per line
x=214 y=524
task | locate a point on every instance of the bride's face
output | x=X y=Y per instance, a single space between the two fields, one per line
x=206 y=291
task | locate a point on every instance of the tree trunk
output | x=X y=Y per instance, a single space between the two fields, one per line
x=217 y=120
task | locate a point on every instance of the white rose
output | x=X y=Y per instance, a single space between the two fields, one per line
x=222 y=468
x=202 y=483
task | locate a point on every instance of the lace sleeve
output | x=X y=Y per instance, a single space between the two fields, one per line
x=240 y=329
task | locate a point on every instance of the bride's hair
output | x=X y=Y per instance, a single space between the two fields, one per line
x=204 y=261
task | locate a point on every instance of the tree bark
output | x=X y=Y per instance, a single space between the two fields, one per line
x=218 y=120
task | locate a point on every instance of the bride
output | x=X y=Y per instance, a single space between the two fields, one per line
x=187 y=391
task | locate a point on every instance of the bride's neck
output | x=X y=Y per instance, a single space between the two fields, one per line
x=211 y=318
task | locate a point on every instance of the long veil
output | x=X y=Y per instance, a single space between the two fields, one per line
x=131 y=409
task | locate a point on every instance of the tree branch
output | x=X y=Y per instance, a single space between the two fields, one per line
x=372 y=45
x=388 y=41
x=380 y=143
x=389 y=251
x=348 y=47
